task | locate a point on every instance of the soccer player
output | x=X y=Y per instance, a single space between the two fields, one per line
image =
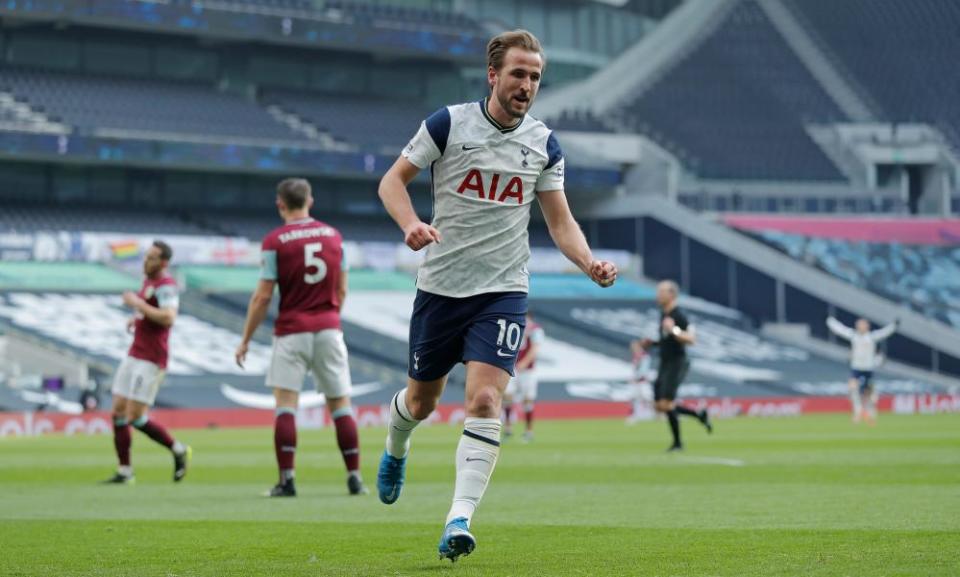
x=640 y=360
x=864 y=358
x=524 y=384
x=676 y=334
x=304 y=257
x=140 y=374
x=488 y=160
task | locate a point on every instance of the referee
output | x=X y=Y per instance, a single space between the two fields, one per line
x=676 y=334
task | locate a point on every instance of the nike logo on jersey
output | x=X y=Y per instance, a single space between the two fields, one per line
x=502 y=354
x=466 y=148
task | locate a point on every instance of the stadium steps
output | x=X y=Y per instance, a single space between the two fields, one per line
x=20 y=117
x=304 y=127
x=848 y=97
x=641 y=65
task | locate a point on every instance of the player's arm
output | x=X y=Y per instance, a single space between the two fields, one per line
x=682 y=331
x=686 y=337
x=396 y=199
x=342 y=288
x=261 y=297
x=163 y=315
x=839 y=329
x=427 y=145
x=568 y=237
x=256 y=313
x=885 y=332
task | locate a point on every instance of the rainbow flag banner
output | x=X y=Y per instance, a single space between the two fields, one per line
x=125 y=249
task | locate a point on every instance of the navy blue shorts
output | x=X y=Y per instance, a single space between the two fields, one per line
x=445 y=331
x=864 y=380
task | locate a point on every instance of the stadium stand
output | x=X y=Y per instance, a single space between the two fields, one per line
x=922 y=277
x=143 y=106
x=33 y=218
x=352 y=11
x=736 y=107
x=903 y=54
x=580 y=121
x=351 y=227
x=357 y=120
x=453 y=21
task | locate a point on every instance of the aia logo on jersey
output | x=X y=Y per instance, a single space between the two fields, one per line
x=474 y=181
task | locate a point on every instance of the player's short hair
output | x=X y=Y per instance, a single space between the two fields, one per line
x=499 y=44
x=166 y=253
x=294 y=192
x=672 y=286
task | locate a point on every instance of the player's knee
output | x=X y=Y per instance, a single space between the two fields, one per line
x=420 y=407
x=485 y=402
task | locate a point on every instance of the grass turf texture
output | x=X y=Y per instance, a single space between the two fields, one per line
x=813 y=496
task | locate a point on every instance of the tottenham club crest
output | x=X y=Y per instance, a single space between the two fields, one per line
x=525 y=152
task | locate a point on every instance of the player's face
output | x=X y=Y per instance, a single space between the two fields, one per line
x=152 y=262
x=863 y=326
x=515 y=85
x=665 y=294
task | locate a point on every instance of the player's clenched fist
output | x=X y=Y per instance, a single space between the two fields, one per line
x=604 y=273
x=420 y=235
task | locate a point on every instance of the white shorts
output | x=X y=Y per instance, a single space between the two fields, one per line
x=524 y=386
x=138 y=380
x=324 y=354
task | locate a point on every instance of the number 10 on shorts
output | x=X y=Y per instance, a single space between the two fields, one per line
x=509 y=332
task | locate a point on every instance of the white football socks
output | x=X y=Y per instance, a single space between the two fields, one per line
x=476 y=457
x=401 y=426
x=855 y=401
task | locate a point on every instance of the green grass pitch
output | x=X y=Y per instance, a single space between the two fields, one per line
x=799 y=497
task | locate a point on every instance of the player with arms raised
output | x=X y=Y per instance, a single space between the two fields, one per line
x=141 y=373
x=489 y=160
x=864 y=359
x=304 y=257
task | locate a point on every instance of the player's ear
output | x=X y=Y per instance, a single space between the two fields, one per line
x=491 y=77
x=309 y=202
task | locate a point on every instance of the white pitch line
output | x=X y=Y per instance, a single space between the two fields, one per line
x=714 y=461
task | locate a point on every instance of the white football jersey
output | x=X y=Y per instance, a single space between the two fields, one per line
x=485 y=177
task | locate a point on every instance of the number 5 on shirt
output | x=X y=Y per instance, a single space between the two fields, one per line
x=311 y=258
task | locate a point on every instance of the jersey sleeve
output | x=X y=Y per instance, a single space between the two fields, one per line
x=681 y=320
x=430 y=142
x=552 y=176
x=168 y=297
x=268 y=259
